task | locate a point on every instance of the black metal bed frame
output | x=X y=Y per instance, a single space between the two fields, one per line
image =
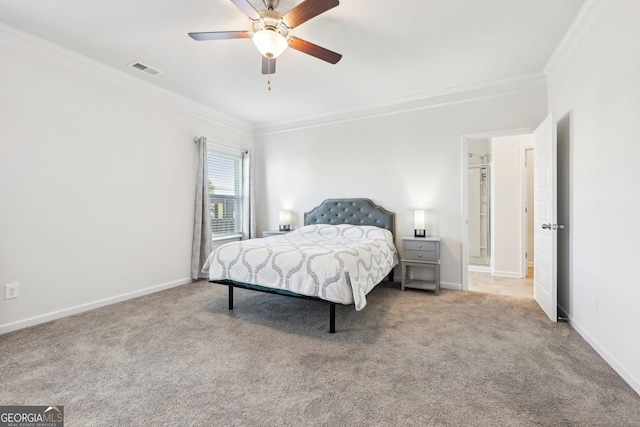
x=231 y=284
x=330 y=211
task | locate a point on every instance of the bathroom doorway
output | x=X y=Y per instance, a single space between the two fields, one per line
x=495 y=206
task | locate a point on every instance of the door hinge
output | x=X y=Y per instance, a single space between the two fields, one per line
x=526 y=255
x=525 y=210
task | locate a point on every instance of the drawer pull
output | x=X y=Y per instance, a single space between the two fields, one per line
x=420 y=246
x=420 y=255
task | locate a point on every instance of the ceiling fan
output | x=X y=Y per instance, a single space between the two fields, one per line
x=270 y=31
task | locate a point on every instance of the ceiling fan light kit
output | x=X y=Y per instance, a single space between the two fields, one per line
x=270 y=43
x=270 y=30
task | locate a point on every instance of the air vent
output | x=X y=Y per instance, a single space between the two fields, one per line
x=145 y=68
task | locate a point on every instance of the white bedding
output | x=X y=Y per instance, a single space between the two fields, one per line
x=338 y=263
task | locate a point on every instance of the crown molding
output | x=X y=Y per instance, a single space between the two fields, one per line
x=37 y=49
x=433 y=99
x=588 y=17
x=32 y=47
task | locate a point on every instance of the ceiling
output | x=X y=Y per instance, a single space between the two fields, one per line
x=391 y=50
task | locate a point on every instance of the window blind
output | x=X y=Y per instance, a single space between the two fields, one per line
x=225 y=193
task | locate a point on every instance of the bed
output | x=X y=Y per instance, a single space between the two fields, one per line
x=345 y=248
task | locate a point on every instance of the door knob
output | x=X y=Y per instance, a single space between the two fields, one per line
x=546 y=226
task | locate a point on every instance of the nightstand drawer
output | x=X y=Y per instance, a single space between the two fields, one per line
x=420 y=255
x=420 y=246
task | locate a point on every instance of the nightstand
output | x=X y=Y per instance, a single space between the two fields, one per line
x=420 y=253
x=273 y=233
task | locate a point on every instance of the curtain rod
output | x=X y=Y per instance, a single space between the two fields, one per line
x=195 y=140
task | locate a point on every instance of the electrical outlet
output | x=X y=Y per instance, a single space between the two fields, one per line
x=12 y=291
x=594 y=303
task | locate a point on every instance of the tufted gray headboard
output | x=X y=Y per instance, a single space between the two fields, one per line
x=351 y=211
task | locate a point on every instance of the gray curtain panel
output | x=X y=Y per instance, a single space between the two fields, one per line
x=248 y=220
x=201 y=247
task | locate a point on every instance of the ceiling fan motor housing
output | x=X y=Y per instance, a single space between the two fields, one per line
x=271 y=20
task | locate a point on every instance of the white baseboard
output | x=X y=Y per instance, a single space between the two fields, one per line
x=47 y=317
x=610 y=359
x=480 y=268
x=452 y=286
x=513 y=274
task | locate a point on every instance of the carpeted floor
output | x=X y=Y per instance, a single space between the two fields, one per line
x=180 y=358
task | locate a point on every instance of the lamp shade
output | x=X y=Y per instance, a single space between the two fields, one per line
x=284 y=218
x=419 y=220
x=270 y=43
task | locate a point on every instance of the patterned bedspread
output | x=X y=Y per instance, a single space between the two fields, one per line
x=338 y=263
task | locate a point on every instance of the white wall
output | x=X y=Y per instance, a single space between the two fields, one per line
x=599 y=83
x=401 y=161
x=507 y=216
x=96 y=190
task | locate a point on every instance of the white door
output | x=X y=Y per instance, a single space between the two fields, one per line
x=545 y=276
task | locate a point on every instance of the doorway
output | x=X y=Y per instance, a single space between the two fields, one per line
x=494 y=219
x=553 y=151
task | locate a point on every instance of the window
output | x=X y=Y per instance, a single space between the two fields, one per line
x=225 y=193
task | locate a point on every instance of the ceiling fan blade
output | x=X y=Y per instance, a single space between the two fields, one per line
x=306 y=10
x=247 y=8
x=220 y=35
x=314 y=50
x=268 y=65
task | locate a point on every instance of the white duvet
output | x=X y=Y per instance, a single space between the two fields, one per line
x=338 y=263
